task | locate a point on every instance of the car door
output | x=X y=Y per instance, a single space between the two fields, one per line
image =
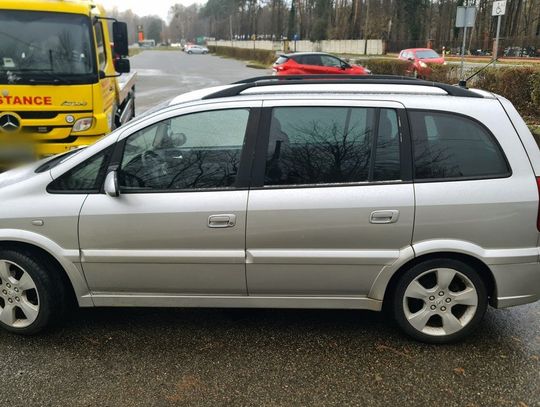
x=178 y=224
x=332 y=201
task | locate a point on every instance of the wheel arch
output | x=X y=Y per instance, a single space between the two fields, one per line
x=70 y=274
x=483 y=271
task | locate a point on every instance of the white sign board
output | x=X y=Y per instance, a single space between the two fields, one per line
x=499 y=8
x=465 y=16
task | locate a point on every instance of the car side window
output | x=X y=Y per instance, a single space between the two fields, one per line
x=325 y=145
x=311 y=60
x=87 y=177
x=453 y=146
x=102 y=58
x=194 y=151
x=330 y=61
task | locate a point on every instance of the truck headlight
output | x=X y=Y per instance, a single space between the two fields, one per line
x=82 y=124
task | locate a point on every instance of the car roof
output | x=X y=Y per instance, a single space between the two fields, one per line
x=418 y=49
x=296 y=54
x=386 y=85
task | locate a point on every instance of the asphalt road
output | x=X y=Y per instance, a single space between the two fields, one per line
x=165 y=74
x=215 y=357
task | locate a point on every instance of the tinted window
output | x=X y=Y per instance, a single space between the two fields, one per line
x=314 y=145
x=451 y=146
x=200 y=150
x=309 y=60
x=87 y=177
x=387 y=163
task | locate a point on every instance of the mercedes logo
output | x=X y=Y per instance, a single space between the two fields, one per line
x=9 y=123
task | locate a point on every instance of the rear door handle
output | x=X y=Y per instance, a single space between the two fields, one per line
x=222 y=221
x=386 y=216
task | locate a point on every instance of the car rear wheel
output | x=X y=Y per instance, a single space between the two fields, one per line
x=440 y=301
x=190 y=52
x=31 y=294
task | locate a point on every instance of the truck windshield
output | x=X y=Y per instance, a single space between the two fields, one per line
x=45 y=48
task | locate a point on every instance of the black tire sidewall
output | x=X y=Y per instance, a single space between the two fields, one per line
x=48 y=285
x=415 y=271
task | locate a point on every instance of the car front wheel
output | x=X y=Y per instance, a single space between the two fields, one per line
x=31 y=294
x=440 y=300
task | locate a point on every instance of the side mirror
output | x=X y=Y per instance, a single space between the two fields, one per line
x=122 y=65
x=120 y=39
x=410 y=59
x=111 y=184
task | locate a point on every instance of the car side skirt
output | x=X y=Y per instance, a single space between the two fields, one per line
x=204 y=301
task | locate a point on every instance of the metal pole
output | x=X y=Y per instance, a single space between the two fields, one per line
x=463 y=50
x=366 y=27
x=496 y=50
x=230 y=29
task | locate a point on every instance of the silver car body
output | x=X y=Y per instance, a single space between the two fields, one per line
x=196 y=49
x=308 y=247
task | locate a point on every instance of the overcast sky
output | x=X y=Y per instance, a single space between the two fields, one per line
x=147 y=7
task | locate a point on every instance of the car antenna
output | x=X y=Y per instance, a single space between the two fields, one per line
x=463 y=83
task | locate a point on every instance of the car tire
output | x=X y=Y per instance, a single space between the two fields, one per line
x=32 y=294
x=439 y=301
x=205 y=52
x=189 y=52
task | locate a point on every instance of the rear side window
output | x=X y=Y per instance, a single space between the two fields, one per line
x=452 y=146
x=281 y=60
x=326 y=145
x=309 y=60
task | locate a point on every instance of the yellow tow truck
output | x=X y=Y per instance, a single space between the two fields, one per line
x=62 y=84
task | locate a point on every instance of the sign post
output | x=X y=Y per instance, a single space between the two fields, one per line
x=465 y=17
x=499 y=10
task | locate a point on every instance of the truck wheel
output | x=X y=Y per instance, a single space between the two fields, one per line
x=440 y=300
x=31 y=293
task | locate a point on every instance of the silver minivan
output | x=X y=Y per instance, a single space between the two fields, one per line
x=325 y=193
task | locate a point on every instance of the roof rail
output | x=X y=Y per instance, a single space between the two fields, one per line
x=259 y=81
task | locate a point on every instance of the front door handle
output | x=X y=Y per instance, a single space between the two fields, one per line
x=222 y=221
x=386 y=216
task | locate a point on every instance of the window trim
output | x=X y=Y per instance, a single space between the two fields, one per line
x=261 y=147
x=455 y=179
x=243 y=177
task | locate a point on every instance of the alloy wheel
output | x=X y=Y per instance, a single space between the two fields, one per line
x=19 y=299
x=440 y=302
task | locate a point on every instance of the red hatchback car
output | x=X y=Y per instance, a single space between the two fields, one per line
x=420 y=59
x=315 y=63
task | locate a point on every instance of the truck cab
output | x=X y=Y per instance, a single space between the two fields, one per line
x=60 y=83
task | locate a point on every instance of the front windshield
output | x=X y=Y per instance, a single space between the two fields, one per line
x=44 y=47
x=426 y=54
